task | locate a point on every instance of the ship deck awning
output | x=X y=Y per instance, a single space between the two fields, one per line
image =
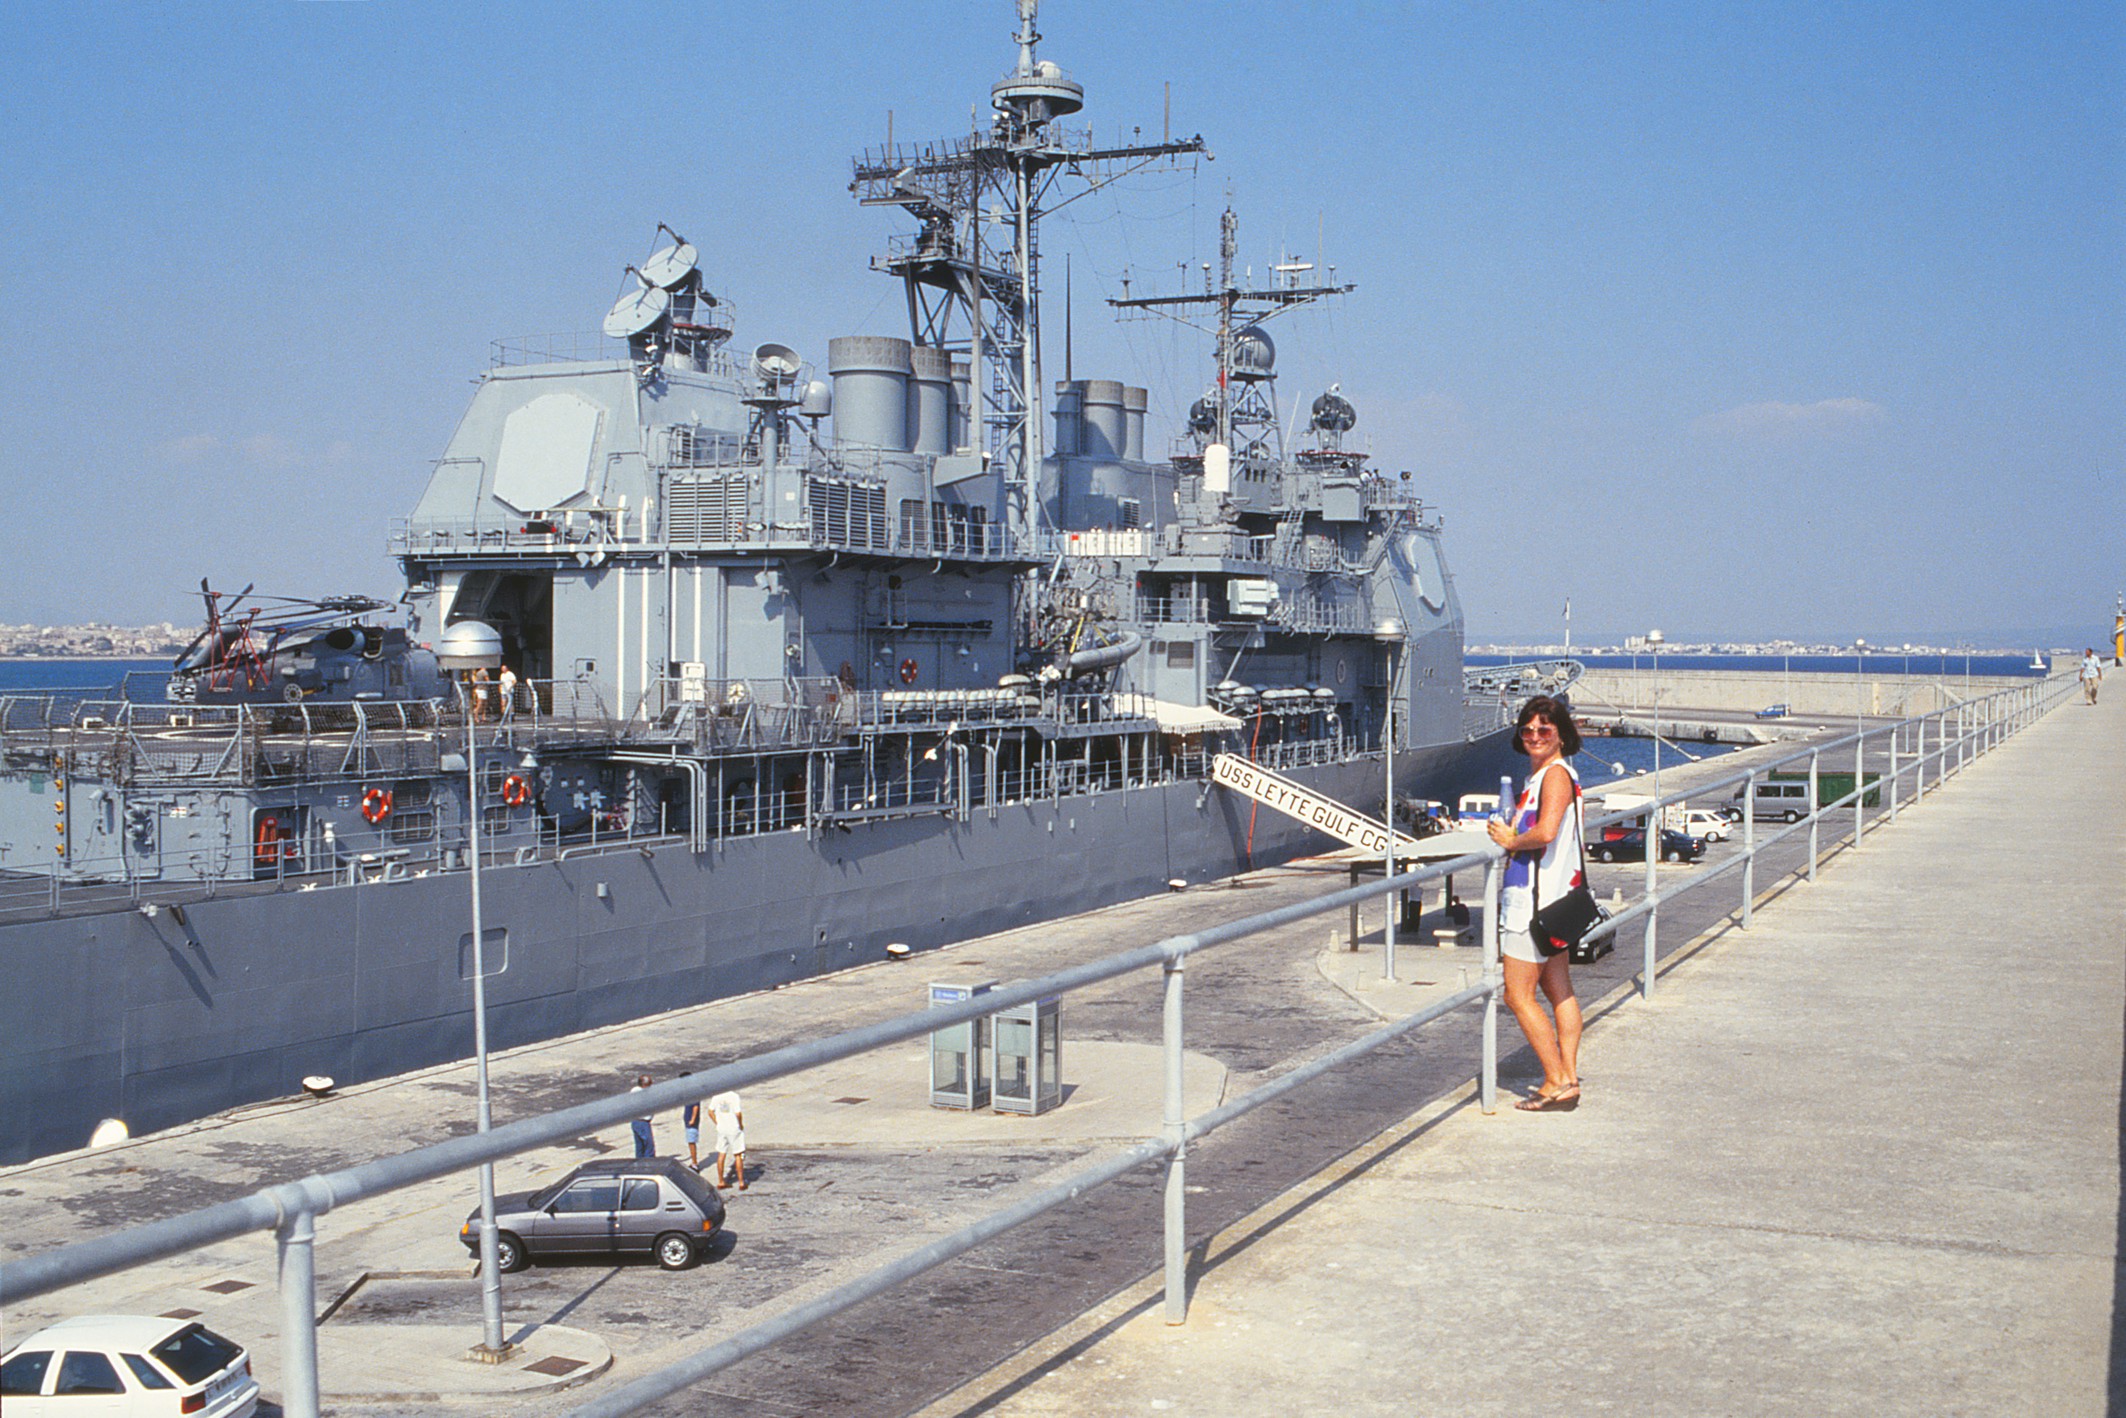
x=1173 y=718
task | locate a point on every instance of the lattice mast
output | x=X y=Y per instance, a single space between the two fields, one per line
x=972 y=270
x=1239 y=311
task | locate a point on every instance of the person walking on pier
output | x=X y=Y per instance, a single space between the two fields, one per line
x=690 y=1120
x=1542 y=838
x=2092 y=674
x=645 y=1141
x=730 y=1118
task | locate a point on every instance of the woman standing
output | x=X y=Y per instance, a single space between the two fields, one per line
x=1545 y=861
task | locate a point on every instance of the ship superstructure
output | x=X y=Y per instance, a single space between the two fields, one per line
x=797 y=660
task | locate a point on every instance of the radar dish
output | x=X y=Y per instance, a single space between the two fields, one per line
x=635 y=312
x=775 y=362
x=669 y=268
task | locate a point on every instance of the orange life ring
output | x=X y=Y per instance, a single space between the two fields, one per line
x=909 y=670
x=376 y=804
x=268 y=844
x=515 y=791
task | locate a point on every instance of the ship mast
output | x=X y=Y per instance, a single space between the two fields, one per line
x=970 y=286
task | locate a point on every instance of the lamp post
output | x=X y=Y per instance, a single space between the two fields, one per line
x=466 y=646
x=1391 y=634
x=1654 y=642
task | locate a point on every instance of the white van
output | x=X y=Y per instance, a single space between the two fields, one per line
x=1780 y=802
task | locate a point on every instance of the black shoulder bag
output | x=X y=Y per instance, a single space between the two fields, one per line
x=1562 y=926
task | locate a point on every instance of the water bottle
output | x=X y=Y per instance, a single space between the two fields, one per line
x=1505 y=811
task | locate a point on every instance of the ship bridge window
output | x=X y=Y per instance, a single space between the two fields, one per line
x=1131 y=512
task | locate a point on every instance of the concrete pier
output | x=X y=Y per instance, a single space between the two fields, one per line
x=1862 y=1159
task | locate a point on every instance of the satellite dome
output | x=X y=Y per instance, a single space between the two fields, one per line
x=1333 y=413
x=1254 y=353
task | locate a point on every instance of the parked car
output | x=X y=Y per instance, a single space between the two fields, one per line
x=1774 y=711
x=650 y=1206
x=1628 y=844
x=1703 y=822
x=127 y=1364
x=1781 y=801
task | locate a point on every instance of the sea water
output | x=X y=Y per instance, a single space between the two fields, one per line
x=141 y=679
x=1929 y=666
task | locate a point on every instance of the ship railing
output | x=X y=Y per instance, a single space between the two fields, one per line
x=1173 y=610
x=1492 y=695
x=1941 y=744
x=583 y=532
x=590 y=346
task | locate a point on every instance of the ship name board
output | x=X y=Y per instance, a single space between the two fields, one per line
x=1275 y=791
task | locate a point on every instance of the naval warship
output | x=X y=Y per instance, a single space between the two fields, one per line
x=782 y=668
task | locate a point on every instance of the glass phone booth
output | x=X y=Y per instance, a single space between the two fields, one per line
x=1027 y=1047
x=959 y=1053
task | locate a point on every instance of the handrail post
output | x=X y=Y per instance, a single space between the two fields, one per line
x=1860 y=785
x=1920 y=765
x=1176 y=1166
x=1653 y=911
x=298 y=1293
x=1749 y=845
x=1488 y=1079
x=1815 y=814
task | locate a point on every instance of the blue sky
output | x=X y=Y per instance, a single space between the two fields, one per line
x=1739 y=320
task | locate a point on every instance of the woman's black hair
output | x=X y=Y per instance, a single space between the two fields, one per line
x=1554 y=713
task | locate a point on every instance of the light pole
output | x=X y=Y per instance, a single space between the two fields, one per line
x=1654 y=642
x=1391 y=634
x=466 y=646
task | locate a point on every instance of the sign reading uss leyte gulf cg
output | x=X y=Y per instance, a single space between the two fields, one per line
x=1289 y=798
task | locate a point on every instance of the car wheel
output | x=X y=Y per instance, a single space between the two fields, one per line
x=509 y=1253
x=674 y=1251
x=1792 y=816
x=1674 y=855
x=1605 y=855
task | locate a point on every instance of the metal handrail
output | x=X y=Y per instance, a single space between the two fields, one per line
x=291 y=1209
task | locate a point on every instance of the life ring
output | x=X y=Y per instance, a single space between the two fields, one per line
x=909 y=670
x=376 y=804
x=515 y=791
x=268 y=843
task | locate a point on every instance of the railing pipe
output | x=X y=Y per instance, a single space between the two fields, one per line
x=1176 y=1161
x=295 y=1238
x=1749 y=846
x=1653 y=917
x=1815 y=816
x=1488 y=1077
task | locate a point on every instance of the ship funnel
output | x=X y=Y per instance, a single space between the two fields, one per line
x=1134 y=403
x=1105 y=419
x=929 y=400
x=870 y=374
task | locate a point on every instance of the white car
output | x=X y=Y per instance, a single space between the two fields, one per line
x=1699 y=822
x=127 y=1364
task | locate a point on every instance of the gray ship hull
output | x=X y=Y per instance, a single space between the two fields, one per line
x=160 y=1020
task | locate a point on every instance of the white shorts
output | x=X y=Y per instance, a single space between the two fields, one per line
x=731 y=1142
x=1520 y=945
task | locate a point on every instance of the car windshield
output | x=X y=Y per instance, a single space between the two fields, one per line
x=196 y=1353
x=24 y=1373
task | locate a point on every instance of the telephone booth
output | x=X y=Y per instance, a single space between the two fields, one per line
x=959 y=1053
x=1027 y=1049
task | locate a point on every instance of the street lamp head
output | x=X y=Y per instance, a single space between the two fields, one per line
x=468 y=645
x=1390 y=631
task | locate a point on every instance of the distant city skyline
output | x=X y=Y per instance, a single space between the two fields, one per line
x=1741 y=321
